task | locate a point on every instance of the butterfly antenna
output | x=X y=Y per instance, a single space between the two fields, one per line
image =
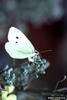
x=44 y=51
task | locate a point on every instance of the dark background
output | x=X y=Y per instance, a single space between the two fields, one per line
x=44 y=22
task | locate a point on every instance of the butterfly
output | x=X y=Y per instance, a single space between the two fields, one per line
x=19 y=46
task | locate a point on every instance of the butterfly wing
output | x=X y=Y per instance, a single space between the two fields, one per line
x=15 y=52
x=18 y=46
x=16 y=36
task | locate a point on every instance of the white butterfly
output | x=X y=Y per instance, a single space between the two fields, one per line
x=18 y=46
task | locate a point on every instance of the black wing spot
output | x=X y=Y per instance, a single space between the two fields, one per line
x=16 y=42
x=17 y=37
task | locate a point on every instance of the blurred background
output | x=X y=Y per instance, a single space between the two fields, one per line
x=44 y=22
